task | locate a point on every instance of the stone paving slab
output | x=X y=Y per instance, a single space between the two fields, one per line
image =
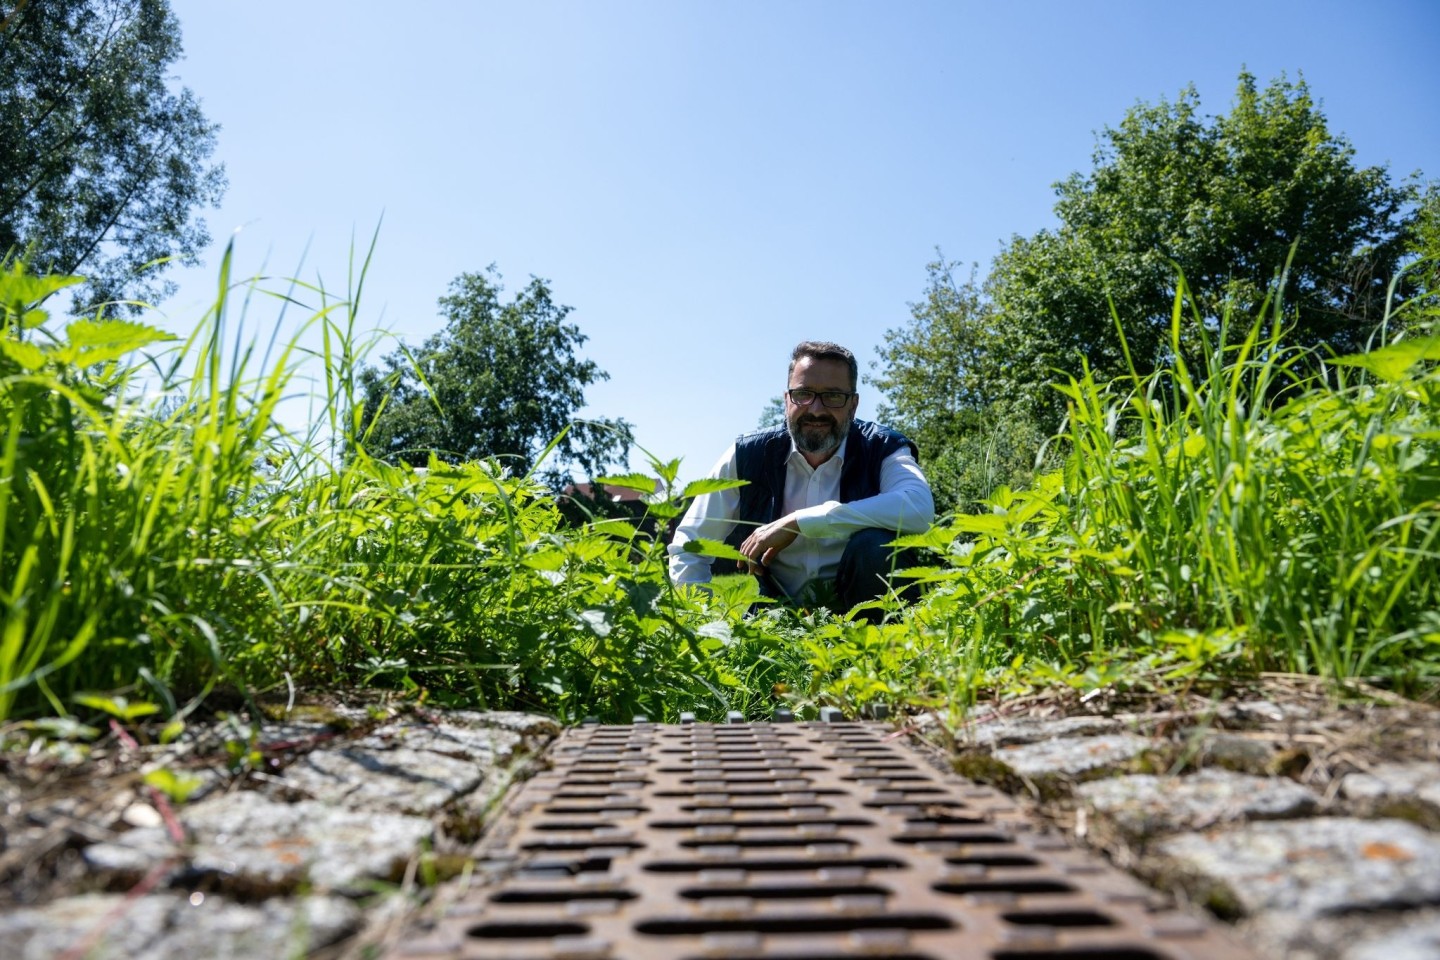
x=1409 y=790
x=1365 y=886
x=1074 y=756
x=1237 y=752
x=1011 y=732
x=176 y=927
x=415 y=767
x=1416 y=937
x=1401 y=935
x=352 y=809
x=249 y=843
x=1312 y=867
x=1142 y=806
x=1250 y=712
x=385 y=777
x=1248 y=837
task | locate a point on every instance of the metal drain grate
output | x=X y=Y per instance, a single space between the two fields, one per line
x=798 y=841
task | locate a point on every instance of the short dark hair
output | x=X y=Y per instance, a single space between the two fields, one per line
x=824 y=350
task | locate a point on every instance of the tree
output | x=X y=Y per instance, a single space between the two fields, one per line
x=103 y=162
x=500 y=380
x=773 y=415
x=1224 y=200
x=1423 y=308
x=936 y=374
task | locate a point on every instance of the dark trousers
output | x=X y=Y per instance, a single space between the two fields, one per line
x=864 y=572
x=866 y=565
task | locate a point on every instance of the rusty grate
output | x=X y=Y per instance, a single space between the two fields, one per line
x=802 y=841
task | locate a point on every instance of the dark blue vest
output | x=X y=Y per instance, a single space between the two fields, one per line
x=760 y=458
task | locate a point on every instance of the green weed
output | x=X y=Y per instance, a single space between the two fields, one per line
x=162 y=536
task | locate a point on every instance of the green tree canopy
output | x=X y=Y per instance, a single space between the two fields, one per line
x=500 y=380
x=934 y=373
x=103 y=161
x=1223 y=199
x=773 y=415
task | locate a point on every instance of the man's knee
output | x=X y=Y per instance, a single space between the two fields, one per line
x=866 y=565
x=869 y=550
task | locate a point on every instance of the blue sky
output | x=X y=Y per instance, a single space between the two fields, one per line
x=708 y=183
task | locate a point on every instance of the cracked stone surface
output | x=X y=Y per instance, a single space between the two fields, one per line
x=1350 y=870
x=1388 y=786
x=1236 y=752
x=175 y=927
x=1402 y=935
x=1004 y=733
x=1317 y=866
x=1073 y=756
x=1416 y=937
x=1142 y=806
x=251 y=843
x=412 y=767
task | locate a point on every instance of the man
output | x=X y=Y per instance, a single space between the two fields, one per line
x=826 y=493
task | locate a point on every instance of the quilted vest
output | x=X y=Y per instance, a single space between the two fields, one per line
x=760 y=458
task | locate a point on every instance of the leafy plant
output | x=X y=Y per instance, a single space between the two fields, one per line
x=1204 y=525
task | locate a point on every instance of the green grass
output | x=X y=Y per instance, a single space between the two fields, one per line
x=162 y=540
x=1244 y=518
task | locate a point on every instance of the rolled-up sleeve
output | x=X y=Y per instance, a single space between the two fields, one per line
x=904 y=504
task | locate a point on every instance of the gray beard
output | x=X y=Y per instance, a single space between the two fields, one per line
x=816 y=443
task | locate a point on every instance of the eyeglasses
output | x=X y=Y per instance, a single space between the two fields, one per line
x=830 y=398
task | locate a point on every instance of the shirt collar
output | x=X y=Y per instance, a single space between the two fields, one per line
x=839 y=456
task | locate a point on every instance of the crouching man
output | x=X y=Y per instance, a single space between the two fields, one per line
x=826 y=494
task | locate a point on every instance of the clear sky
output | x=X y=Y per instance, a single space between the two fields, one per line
x=708 y=183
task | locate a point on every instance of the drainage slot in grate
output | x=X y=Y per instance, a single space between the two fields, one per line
x=757 y=751
x=591 y=809
x=558 y=869
x=781 y=864
x=811 y=956
x=946 y=819
x=749 y=791
x=887 y=778
x=799 y=923
x=560 y=896
x=756 y=843
x=764 y=824
x=993 y=860
x=953 y=838
x=527 y=931
x=541 y=846
x=772 y=892
x=1087 y=952
x=1017 y=887
x=785 y=776
x=731 y=807
x=1059 y=918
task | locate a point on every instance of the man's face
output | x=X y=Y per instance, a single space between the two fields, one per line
x=816 y=428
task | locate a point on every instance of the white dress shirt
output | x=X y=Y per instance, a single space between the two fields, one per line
x=904 y=504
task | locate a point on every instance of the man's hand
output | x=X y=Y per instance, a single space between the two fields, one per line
x=762 y=545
